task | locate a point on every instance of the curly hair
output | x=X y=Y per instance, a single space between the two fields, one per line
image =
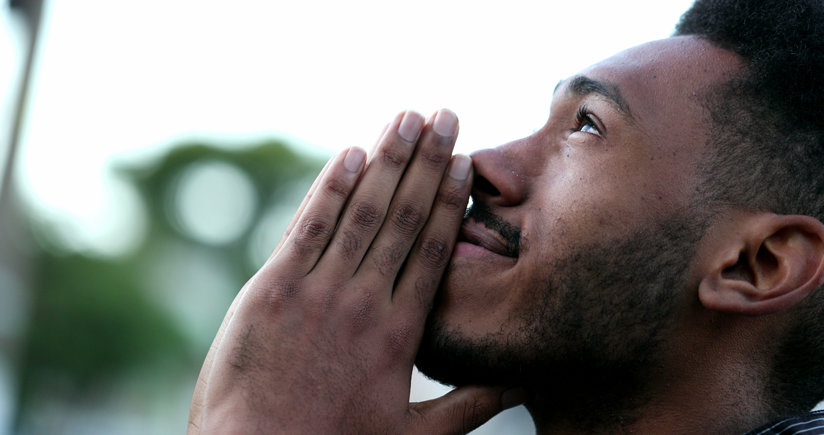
x=767 y=149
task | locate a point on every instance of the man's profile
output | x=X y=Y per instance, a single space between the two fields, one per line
x=649 y=261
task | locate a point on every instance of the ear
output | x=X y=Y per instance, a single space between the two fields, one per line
x=762 y=263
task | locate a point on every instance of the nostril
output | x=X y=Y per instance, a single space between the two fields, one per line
x=484 y=186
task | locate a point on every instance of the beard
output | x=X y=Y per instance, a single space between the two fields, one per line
x=593 y=329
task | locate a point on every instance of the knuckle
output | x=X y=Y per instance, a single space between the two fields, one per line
x=433 y=253
x=393 y=158
x=314 y=227
x=365 y=215
x=278 y=294
x=284 y=289
x=433 y=158
x=451 y=198
x=388 y=258
x=348 y=243
x=271 y=291
x=311 y=232
x=337 y=188
x=408 y=219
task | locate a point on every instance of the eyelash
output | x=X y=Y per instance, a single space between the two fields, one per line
x=584 y=117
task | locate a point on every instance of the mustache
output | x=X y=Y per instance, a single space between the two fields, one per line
x=511 y=234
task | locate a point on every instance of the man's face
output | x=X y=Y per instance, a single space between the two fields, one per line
x=577 y=253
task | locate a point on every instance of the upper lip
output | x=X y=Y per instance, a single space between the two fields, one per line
x=477 y=234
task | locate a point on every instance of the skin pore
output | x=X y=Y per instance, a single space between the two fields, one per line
x=587 y=314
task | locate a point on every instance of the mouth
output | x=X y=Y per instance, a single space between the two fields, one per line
x=475 y=233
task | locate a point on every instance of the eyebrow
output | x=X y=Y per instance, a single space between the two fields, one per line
x=583 y=85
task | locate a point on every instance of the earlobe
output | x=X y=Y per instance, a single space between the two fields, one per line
x=768 y=264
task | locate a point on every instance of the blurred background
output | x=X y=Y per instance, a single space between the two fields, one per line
x=153 y=151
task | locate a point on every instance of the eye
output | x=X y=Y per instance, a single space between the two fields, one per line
x=585 y=122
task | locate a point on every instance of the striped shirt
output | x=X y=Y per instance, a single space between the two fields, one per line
x=808 y=424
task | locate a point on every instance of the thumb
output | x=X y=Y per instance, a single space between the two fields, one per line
x=463 y=409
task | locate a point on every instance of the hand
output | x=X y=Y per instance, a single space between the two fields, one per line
x=323 y=338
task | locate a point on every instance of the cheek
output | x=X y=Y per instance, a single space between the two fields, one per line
x=479 y=303
x=584 y=209
x=609 y=200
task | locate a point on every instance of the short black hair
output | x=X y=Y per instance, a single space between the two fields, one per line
x=766 y=149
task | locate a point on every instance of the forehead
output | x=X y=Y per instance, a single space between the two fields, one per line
x=666 y=80
x=656 y=120
x=662 y=85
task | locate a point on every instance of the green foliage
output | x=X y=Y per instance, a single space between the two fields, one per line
x=97 y=319
x=92 y=320
x=269 y=165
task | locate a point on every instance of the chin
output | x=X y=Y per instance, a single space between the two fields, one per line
x=450 y=357
x=440 y=359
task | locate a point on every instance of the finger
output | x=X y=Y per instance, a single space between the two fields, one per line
x=312 y=188
x=463 y=409
x=299 y=211
x=424 y=268
x=367 y=206
x=315 y=226
x=413 y=200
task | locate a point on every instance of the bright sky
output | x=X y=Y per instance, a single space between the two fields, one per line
x=122 y=80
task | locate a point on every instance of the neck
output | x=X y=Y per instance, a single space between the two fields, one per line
x=603 y=401
x=711 y=385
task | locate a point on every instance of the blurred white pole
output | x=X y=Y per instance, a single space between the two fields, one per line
x=14 y=270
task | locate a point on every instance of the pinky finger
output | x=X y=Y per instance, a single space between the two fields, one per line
x=300 y=208
x=311 y=192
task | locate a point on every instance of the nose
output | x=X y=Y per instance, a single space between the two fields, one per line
x=498 y=179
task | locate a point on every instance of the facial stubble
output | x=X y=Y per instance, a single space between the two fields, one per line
x=593 y=329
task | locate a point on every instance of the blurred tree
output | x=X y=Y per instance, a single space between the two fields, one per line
x=272 y=168
x=99 y=320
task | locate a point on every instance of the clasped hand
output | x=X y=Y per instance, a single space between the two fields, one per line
x=322 y=339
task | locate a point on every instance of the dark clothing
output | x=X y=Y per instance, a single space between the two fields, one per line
x=808 y=424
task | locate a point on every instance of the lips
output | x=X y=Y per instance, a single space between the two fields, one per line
x=477 y=234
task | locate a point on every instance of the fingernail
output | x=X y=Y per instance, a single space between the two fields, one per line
x=513 y=397
x=459 y=169
x=354 y=159
x=410 y=127
x=445 y=123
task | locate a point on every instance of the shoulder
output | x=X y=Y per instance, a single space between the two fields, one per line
x=808 y=424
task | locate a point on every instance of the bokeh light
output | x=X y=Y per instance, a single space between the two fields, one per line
x=212 y=202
